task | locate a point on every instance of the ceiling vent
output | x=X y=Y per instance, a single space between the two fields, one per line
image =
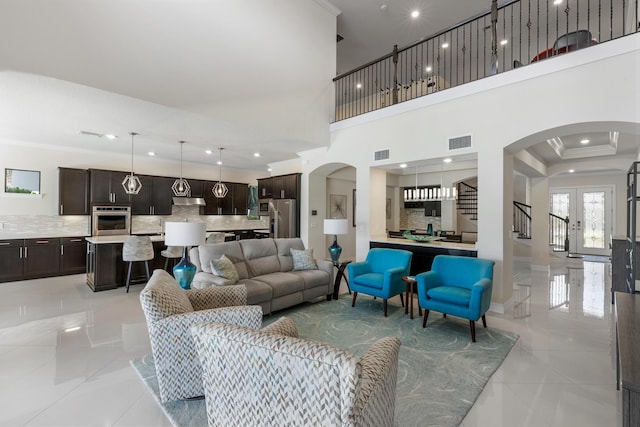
x=460 y=142
x=381 y=155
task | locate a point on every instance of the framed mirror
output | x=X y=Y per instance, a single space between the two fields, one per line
x=20 y=181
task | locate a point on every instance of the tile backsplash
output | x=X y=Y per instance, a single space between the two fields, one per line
x=26 y=226
x=43 y=225
x=415 y=219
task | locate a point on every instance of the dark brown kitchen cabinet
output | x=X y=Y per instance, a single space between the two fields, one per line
x=197 y=187
x=280 y=187
x=240 y=199
x=22 y=259
x=106 y=187
x=73 y=191
x=41 y=257
x=286 y=186
x=73 y=255
x=234 y=203
x=265 y=188
x=103 y=268
x=155 y=196
x=11 y=265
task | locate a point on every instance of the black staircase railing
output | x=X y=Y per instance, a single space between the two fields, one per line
x=467 y=201
x=522 y=220
x=524 y=31
x=559 y=233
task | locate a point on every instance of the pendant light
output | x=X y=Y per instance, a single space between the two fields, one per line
x=131 y=183
x=219 y=189
x=181 y=187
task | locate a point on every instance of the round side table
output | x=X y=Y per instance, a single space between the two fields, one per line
x=411 y=282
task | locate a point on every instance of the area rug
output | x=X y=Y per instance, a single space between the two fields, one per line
x=440 y=371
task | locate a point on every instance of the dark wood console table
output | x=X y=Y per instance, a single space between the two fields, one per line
x=628 y=355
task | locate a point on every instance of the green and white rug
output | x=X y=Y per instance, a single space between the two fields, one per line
x=440 y=371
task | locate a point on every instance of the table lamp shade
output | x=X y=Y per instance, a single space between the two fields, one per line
x=336 y=226
x=184 y=234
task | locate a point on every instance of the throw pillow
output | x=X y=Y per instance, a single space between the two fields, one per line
x=303 y=259
x=223 y=267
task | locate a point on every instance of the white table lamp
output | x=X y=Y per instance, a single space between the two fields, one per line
x=184 y=234
x=335 y=227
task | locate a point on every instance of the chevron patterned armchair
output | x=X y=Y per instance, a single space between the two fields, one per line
x=170 y=311
x=258 y=378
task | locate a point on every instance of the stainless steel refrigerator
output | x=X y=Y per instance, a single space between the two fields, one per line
x=283 y=218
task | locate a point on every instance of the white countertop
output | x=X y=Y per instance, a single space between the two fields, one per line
x=118 y=239
x=434 y=244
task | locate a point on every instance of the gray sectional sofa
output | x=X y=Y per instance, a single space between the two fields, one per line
x=265 y=267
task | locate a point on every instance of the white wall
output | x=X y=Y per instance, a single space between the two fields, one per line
x=19 y=155
x=514 y=110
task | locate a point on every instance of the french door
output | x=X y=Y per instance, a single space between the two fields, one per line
x=590 y=212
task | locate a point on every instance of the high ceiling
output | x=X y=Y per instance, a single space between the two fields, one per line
x=247 y=75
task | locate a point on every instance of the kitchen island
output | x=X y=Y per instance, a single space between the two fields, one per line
x=425 y=252
x=105 y=267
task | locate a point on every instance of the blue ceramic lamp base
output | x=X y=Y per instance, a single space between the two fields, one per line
x=184 y=271
x=335 y=250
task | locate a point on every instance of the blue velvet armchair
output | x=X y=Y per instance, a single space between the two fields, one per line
x=380 y=275
x=456 y=285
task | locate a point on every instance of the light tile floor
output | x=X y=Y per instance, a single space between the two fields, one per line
x=65 y=351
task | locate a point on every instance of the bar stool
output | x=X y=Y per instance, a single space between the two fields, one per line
x=172 y=252
x=134 y=249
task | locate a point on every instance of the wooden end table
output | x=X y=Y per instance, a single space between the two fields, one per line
x=339 y=276
x=411 y=282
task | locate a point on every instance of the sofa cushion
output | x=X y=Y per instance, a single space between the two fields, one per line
x=162 y=296
x=261 y=256
x=231 y=250
x=223 y=267
x=257 y=291
x=371 y=280
x=303 y=259
x=450 y=294
x=284 y=247
x=282 y=283
x=313 y=278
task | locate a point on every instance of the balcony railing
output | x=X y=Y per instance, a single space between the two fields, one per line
x=519 y=32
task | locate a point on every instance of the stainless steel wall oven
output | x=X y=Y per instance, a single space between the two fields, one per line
x=110 y=220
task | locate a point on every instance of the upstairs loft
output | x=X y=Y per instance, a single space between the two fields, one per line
x=516 y=34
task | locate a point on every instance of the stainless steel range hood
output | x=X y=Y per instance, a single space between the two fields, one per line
x=189 y=201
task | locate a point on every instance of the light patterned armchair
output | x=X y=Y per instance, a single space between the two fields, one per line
x=171 y=311
x=260 y=378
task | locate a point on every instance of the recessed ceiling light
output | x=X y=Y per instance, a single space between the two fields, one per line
x=110 y=136
x=415 y=14
x=219 y=162
x=208 y=151
x=585 y=141
x=256 y=154
x=445 y=45
x=359 y=85
x=72 y=329
x=557 y=2
x=503 y=42
x=448 y=160
x=269 y=169
x=404 y=165
x=428 y=69
x=572 y=170
x=151 y=153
